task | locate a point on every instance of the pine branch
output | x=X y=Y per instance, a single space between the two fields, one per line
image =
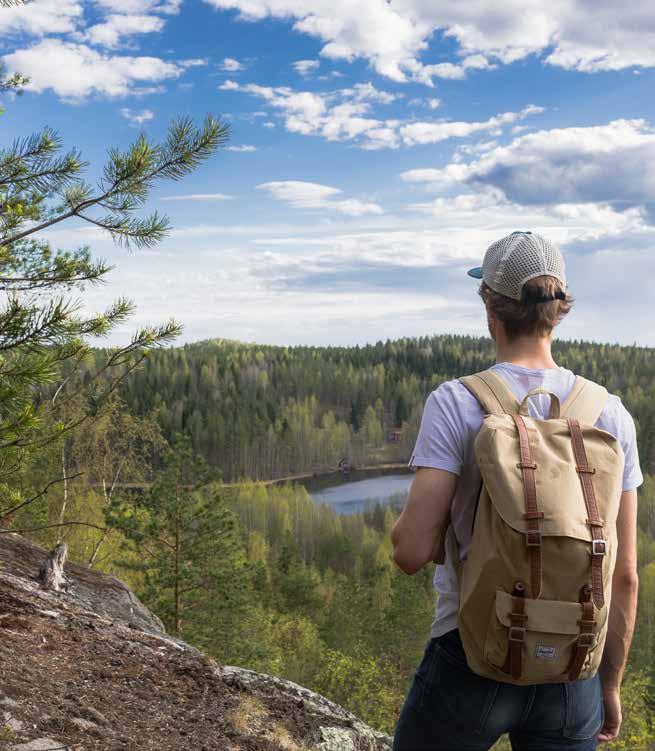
x=127 y=180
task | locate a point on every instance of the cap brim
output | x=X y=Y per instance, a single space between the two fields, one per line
x=476 y=273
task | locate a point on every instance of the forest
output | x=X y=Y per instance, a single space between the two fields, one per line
x=242 y=569
x=261 y=412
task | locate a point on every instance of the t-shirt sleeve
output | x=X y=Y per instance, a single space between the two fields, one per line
x=632 y=474
x=441 y=439
x=620 y=423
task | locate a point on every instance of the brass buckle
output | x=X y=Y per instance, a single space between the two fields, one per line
x=533 y=539
x=516 y=633
x=587 y=640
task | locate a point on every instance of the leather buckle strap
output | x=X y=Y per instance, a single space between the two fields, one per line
x=517 y=633
x=532 y=513
x=598 y=545
x=587 y=638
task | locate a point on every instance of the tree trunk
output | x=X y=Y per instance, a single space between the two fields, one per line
x=51 y=573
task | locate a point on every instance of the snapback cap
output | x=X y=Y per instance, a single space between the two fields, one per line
x=513 y=260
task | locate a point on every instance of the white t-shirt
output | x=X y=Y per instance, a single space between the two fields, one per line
x=451 y=419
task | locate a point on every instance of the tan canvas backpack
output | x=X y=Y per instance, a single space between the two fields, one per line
x=535 y=587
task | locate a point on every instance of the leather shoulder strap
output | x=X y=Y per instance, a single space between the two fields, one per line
x=492 y=392
x=585 y=401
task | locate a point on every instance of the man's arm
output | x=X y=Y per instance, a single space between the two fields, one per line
x=418 y=535
x=622 y=615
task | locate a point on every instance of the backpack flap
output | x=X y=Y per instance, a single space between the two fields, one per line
x=559 y=492
x=552 y=628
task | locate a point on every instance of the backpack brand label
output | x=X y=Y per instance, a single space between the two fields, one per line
x=544 y=652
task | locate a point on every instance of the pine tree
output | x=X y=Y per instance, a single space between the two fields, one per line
x=188 y=541
x=45 y=357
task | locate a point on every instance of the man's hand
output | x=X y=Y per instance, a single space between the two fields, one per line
x=613 y=717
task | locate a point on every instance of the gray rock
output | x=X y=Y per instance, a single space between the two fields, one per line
x=341 y=726
x=86 y=726
x=41 y=744
x=21 y=560
x=91 y=713
x=13 y=723
x=99 y=602
x=336 y=739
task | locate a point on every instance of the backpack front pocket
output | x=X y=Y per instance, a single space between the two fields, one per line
x=548 y=638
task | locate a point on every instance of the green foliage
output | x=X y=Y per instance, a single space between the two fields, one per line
x=365 y=684
x=637 y=702
x=50 y=383
x=191 y=555
x=259 y=411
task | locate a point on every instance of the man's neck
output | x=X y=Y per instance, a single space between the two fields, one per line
x=529 y=352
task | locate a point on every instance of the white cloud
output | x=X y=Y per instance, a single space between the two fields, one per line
x=193 y=62
x=75 y=71
x=306 y=195
x=110 y=32
x=394 y=36
x=244 y=148
x=41 y=17
x=199 y=197
x=257 y=281
x=344 y=115
x=229 y=86
x=604 y=164
x=137 y=118
x=304 y=67
x=140 y=6
x=427 y=132
x=231 y=65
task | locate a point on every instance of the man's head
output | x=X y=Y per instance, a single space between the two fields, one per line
x=523 y=286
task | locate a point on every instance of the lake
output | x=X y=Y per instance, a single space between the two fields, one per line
x=353 y=496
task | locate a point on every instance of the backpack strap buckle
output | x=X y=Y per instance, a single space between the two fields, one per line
x=533 y=538
x=587 y=636
x=587 y=641
x=517 y=633
x=599 y=547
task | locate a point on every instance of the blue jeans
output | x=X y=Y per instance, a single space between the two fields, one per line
x=451 y=708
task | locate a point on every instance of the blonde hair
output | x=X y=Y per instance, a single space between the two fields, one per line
x=530 y=316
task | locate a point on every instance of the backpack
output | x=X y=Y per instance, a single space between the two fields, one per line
x=535 y=587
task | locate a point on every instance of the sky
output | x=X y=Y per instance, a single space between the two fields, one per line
x=377 y=147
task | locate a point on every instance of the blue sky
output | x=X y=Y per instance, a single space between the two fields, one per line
x=377 y=149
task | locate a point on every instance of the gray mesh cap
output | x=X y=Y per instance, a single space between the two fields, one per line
x=513 y=260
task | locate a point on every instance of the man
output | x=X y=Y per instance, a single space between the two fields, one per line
x=449 y=707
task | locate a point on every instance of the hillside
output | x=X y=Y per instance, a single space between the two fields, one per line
x=91 y=668
x=261 y=411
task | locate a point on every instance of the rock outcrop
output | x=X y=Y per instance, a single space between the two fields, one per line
x=90 y=668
